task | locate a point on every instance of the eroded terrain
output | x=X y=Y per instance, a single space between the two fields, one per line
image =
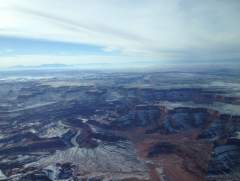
x=77 y=125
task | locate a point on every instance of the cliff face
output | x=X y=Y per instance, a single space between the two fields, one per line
x=203 y=141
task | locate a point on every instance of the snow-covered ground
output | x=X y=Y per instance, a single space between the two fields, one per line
x=2 y=176
x=223 y=108
x=116 y=161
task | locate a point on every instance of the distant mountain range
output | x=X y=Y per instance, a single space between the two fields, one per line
x=42 y=66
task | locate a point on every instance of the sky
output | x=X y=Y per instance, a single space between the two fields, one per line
x=119 y=32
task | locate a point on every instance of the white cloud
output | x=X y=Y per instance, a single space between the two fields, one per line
x=152 y=28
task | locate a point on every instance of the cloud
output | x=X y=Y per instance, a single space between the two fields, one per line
x=174 y=29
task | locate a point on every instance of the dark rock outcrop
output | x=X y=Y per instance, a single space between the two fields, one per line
x=181 y=119
x=162 y=148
